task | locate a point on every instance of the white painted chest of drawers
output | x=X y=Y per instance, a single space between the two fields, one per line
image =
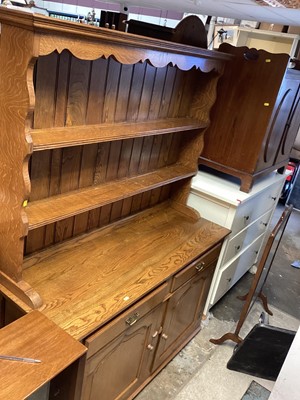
x=247 y=215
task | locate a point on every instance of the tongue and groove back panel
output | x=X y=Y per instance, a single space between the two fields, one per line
x=74 y=92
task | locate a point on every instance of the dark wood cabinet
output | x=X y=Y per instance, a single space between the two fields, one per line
x=255 y=119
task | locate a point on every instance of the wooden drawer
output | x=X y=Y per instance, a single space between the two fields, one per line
x=207 y=260
x=125 y=320
x=255 y=207
x=233 y=271
x=244 y=238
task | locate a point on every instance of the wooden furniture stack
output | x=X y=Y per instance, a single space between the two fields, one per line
x=254 y=123
x=100 y=136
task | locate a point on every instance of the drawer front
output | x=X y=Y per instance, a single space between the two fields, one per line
x=209 y=259
x=126 y=319
x=255 y=207
x=244 y=238
x=233 y=271
x=247 y=260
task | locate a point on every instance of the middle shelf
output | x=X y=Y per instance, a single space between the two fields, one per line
x=56 y=208
x=53 y=138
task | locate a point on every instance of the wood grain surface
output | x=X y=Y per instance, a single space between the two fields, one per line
x=114 y=42
x=46 y=342
x=44 y=139
x=115 y=122
x=14 y=146
x=87 y=281
x=57 y=208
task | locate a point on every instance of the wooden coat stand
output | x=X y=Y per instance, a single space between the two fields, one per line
x=258 y=279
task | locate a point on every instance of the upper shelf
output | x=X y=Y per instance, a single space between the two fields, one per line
x=52 y=138
x=66 y=205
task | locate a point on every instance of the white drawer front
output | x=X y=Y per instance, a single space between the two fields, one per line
x=223 y=283
x=244 y=238
x=247 y=259
x=255 y=206
x=233 y=271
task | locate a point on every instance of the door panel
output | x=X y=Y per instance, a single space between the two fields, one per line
x=121 y=366
x=121 y=353
x=291 y=129
x=283 y=125
x=183 y=315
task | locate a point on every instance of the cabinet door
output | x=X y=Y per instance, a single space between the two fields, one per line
x=282 y=129
x=121 y=358
x=183 y=315
x=291 y=129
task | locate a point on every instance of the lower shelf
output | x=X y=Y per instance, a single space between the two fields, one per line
x=56 y=208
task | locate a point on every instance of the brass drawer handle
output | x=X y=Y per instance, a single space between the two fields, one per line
x=150 y=347
x=132 y=320
x=200 y=266
x=164 y=336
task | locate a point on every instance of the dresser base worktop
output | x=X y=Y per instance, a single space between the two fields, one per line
x=86 y=282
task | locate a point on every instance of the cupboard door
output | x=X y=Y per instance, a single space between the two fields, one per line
x=291 y=129
x=183 y=315
x=282 y=129
x=123 y=358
